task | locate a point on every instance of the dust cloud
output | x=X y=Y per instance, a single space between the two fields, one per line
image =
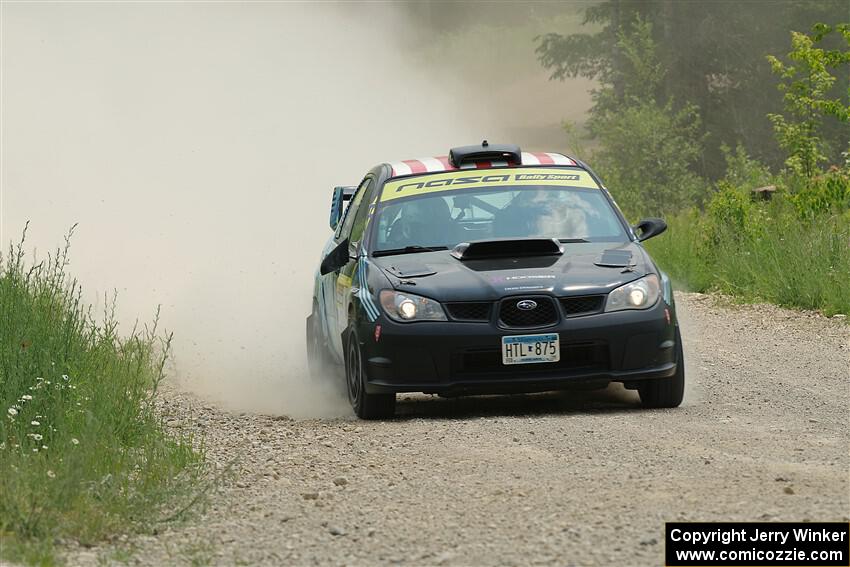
x=196 y=146
x=693 y=391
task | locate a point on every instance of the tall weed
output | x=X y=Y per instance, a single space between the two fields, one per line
x=793 y=251
x=83 y=454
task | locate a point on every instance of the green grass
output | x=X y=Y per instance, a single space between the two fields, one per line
x=779 y=259
x=83 y=455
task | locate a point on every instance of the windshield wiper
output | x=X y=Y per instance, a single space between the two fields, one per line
x=571 y=240
x=407 y=250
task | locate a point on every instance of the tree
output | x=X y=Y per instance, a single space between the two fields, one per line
x=646 y=148
x=713 y=55
x=807 y=81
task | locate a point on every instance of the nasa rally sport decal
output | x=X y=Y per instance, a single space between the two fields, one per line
x=457 y=180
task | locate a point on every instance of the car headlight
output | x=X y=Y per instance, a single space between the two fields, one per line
x=638 y=294
x=406 y=307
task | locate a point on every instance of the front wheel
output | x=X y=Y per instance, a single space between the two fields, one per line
x=666 y=392
x=365 y=405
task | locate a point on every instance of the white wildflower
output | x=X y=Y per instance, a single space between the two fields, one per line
x=75 y=441
x=44 y=447
x=35 y=449
x=26 y=397
x=2 y=445
x=39 y=378
x=13 y=412
x=36 y=423
x=51 y=474
x=36 y=436
x=65 y=377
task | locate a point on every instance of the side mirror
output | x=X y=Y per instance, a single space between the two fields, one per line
x=336 y=258
x=336 y=207
x=647 y=228
x=338 y=199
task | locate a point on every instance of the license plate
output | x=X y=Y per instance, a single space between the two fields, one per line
x=526 y=349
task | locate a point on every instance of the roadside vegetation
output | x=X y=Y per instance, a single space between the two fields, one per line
x=775 y=227
x=83 y=454
x=793 y=250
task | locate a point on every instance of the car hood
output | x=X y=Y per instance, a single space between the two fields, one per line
x=583 y=269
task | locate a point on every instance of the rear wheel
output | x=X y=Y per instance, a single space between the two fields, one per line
x=366 y=405
x=317 y=349
x=666 y=392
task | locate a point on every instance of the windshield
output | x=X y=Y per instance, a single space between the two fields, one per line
x=448 y=218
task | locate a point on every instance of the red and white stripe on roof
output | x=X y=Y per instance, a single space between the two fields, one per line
x=442 y=163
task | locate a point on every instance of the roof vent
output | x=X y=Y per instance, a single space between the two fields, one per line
x=486 y=152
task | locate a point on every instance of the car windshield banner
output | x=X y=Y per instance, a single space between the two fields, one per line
x=476 y=178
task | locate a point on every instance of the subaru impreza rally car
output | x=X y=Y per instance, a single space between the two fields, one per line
x=490 y=270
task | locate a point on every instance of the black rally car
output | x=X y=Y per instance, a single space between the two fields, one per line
x=490 y=270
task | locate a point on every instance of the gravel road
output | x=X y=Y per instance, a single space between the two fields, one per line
x=562 y=479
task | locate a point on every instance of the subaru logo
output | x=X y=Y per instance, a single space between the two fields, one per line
x=526 y=304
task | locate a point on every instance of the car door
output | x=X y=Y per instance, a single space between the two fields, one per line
x=338 y=284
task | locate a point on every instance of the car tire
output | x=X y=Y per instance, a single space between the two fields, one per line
x=365 y=405
x=318 y=362
x=666 y=392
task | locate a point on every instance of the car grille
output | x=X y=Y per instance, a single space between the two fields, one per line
x=575 y=357
x=469 y=311
x=582 y=305
x=543 y=315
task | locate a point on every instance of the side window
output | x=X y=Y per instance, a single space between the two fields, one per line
x=360 y=217
x=345 y=227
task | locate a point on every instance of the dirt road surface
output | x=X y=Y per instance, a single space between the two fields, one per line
x=549 y=479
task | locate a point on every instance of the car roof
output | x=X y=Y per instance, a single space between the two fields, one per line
x=443 y=163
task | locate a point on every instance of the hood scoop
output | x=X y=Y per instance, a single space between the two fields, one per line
x=615 y=259
x=507 y=248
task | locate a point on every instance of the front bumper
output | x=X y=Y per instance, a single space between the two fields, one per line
x=454 y=358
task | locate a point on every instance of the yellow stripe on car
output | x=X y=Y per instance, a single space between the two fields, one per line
x=477 y=179
x=343 y=281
